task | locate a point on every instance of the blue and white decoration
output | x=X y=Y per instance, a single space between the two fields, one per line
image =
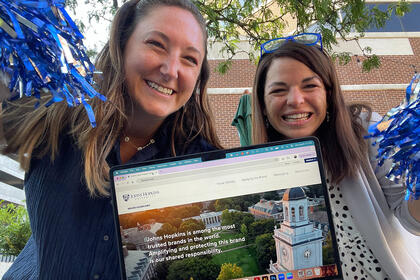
x=41 y=50
x=398 y=137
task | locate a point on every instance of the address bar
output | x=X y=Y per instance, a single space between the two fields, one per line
x=214 y=171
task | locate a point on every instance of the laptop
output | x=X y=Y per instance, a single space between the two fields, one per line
x=259 y=213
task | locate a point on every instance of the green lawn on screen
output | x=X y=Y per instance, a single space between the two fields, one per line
x=242 y=257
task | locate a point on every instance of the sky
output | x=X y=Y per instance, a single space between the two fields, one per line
x=95 y=34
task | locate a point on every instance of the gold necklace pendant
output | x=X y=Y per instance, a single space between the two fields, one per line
x=127 y=140
x=148 y=144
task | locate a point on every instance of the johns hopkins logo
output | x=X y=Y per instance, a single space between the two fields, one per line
x=140 y=196
x=126 y=197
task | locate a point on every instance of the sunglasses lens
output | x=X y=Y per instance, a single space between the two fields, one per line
x=307 y=39
x=273 y=45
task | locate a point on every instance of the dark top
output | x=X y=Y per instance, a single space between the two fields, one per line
x=73 y=234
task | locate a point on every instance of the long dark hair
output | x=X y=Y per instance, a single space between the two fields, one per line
x=342 y=137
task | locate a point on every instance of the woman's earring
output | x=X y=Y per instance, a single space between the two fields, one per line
x=267 y=123
x=327 y=118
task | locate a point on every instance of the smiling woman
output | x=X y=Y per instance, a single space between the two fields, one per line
x=295 y=98
x=162 y=64
x=296 y=94
x=154 y=74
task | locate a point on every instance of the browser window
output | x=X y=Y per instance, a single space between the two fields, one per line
x=260 y=212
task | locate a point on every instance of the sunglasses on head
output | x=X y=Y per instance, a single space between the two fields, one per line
x=309 y=39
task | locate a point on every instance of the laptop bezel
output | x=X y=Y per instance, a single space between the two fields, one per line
x=218 y=154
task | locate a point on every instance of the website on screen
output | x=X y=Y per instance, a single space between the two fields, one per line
x=256 y=214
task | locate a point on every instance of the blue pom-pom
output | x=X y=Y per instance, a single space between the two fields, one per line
x=398 y=137
x=41 y=49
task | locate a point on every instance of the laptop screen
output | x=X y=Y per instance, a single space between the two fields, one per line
x=260 y=212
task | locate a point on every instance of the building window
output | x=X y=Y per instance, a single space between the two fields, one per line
x=407 y=23
x=301 y=217
x=293 y=215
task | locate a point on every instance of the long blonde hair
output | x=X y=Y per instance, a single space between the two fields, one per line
x=35 y=133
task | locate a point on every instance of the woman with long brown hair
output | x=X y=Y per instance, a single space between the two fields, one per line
x=296 y=94
x=155 y=73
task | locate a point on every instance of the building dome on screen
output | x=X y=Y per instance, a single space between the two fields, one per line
x=294 y=194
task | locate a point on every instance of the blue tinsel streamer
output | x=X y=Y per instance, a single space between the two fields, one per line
x=398 y=136
x=41 y=49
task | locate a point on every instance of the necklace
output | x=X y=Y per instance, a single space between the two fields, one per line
x=127 y=140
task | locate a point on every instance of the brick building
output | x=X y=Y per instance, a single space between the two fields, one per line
x=397 y=45
x=267 y=210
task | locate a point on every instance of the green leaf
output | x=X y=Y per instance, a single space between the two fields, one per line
x=14 y=228
x=367 y=50
x=224 y=66
x=401 y=8
x=343 y=58
x=371 y=63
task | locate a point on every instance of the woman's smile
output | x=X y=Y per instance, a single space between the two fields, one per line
x=159 y=88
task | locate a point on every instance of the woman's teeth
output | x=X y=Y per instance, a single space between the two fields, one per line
x=297 y=117
x=159 y=88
